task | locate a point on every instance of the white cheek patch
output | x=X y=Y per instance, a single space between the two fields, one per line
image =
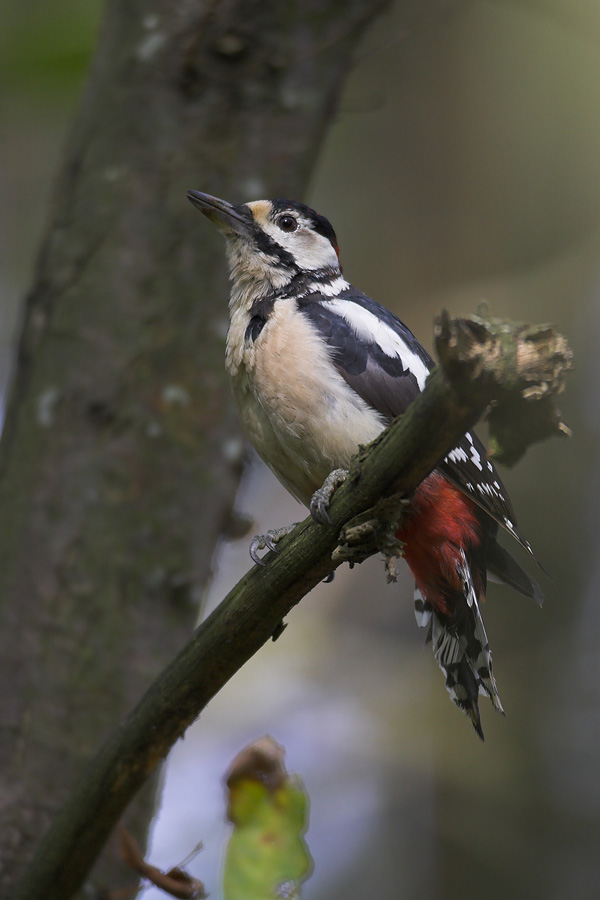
x=373 y=331
x=308 y=249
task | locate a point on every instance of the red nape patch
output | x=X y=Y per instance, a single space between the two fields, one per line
x=439 y=522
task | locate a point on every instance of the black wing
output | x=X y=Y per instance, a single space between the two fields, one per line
x=380 y=359
x=468 y=467
x=384 y=382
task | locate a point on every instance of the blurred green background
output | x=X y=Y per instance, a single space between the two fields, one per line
x=464 y=166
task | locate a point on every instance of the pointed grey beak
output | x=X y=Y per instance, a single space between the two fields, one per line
x=227 y=217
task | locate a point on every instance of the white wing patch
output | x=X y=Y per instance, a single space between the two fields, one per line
x=476 y=457
x=374 y=331
x=457 y=455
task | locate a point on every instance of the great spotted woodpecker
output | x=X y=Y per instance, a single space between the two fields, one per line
x=318 y=369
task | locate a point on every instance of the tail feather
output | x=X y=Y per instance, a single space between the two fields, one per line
x=461 y=647
x=503 y=567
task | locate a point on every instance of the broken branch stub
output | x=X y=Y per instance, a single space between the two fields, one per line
x=524 y=365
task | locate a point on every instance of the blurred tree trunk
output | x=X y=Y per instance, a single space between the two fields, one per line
x=120 y=456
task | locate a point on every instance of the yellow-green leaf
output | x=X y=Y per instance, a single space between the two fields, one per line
x=267 y=857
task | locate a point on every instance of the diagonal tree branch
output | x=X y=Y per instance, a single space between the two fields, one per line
x=120 y=454
x=454 y=399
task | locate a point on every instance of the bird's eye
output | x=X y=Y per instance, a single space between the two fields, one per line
x=287 y=223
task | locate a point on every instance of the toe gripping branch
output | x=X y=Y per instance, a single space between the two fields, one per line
x=268 y=541
x=373 y=531
x=319 y=504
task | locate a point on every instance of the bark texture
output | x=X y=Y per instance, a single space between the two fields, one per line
x=120 y=455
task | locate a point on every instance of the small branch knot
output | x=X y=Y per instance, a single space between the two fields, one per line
x=373 y=531
x=523 y=365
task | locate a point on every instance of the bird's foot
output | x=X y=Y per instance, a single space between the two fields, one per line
x=268 y=541
x=321 y=498
x=374 y=531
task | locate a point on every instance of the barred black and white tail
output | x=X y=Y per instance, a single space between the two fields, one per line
x=461 y=647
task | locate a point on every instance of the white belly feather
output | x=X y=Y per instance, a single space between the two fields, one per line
x=296 y=409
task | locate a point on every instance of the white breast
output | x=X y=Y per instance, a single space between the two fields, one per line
x=297 y=410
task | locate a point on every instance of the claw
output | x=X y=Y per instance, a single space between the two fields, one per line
x=322 y=512
x=321 y=498
x=257 y=544
x=268 y=541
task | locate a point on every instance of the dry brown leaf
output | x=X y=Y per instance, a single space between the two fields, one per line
x=176 y=882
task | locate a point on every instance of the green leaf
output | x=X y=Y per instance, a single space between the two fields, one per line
x=267 y=857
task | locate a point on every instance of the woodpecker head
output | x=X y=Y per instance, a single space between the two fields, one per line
x=271 y=243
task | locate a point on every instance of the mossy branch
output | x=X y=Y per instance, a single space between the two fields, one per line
x=482 y=363
x=518 y=368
